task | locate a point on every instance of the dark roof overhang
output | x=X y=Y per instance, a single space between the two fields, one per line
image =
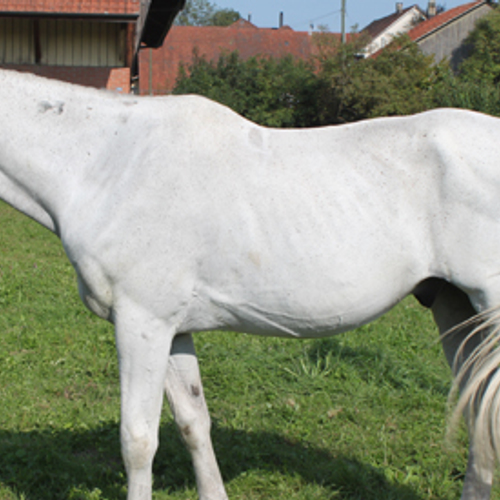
x=158 y=20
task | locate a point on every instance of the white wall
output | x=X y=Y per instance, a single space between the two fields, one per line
x=402 y=25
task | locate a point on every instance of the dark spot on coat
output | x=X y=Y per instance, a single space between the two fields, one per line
x=57 y=107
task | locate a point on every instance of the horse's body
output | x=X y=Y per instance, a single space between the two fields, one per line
x=180 y=216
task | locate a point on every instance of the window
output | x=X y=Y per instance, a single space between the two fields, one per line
x=62 y=42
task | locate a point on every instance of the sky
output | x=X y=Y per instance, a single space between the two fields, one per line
x=299 y=14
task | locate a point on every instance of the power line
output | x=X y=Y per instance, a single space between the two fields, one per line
x=309 y=21
x=328 y=14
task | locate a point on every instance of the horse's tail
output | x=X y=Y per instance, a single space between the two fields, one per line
x=478 y=382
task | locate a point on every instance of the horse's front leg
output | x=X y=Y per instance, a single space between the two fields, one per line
x=143 y=344
x=185 y=395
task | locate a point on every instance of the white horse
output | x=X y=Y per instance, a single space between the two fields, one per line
x=179 y=216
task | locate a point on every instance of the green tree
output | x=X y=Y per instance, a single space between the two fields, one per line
x=454 y=92
x=273 y=92
x=205 y=13
x=338 y=66
x=339 y=85
x=196 y=13
x=477 y=84
x=398 y=81
x=483 y=61
x=225 y=17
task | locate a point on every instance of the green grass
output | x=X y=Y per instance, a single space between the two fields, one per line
x=358 y=416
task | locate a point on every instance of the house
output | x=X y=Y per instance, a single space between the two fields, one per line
x=443 y=35
x=382 y=31
x=90 y=42
x=159 y=68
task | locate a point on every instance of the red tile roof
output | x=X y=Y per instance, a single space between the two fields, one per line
x=211 y=41
x=72 y=6
x=436 y=22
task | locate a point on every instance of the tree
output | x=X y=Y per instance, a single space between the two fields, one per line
x=400 y=80
x=338 y=65
x=205 y=13
x=339 y=85
x=195 y=13
x=273 y=92
x=397 y=81
x=225 y=17
x=454 y=92
x=483 y=61
x=477 y=84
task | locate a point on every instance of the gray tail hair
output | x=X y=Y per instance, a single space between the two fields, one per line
x=477 y=386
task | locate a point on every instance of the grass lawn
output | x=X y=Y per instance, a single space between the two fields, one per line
x=358 y=416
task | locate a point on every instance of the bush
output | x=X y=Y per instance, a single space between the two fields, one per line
x=272 y=92
x=398 y=81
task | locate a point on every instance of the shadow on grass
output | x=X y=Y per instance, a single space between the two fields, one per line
x=61 y=464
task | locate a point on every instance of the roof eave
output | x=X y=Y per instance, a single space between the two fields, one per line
x=158 y=21
x=72 y=15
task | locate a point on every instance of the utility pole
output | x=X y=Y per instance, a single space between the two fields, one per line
x=343 y=21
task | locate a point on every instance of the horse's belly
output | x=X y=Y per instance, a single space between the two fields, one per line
x=302 y=302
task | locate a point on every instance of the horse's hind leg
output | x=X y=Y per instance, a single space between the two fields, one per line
x=185 y=394
x=450 y=308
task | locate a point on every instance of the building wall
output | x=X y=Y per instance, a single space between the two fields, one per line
x=116 y=79
x=88 y=52
x=448 y=42
x=62 y=42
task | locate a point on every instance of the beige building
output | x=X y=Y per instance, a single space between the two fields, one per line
x=90 y=42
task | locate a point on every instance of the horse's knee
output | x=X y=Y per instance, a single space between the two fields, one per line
x=139 y=446
x=195 y=429
x=193 y=421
